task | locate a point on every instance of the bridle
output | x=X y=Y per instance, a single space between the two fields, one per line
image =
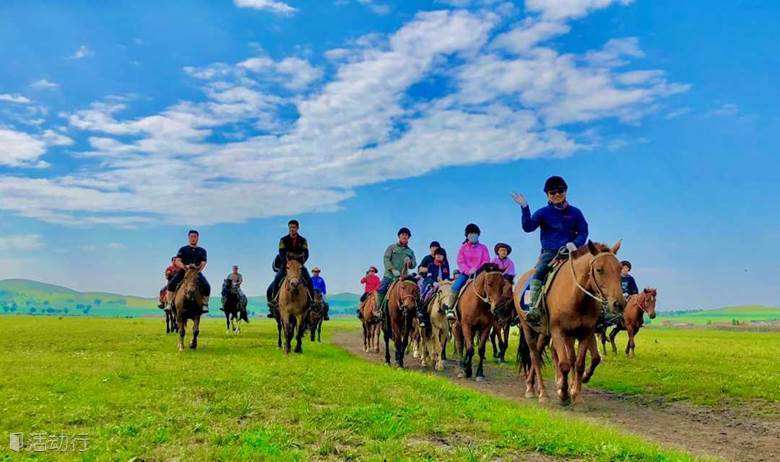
x=403 y=298
x=486 y=298
x=591 y=272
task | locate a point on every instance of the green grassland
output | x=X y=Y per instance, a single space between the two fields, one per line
x=122 y=382
x=742 y=314
x=21 y=296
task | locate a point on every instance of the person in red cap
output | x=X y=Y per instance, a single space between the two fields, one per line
x=371 y=284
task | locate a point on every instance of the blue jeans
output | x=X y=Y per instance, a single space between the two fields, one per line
x=203 y=284
x=543 y=264
x=460 y=281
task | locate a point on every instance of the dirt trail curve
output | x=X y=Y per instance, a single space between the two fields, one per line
x=699 y=430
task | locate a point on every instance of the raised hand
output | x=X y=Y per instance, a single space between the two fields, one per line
x=519 y=199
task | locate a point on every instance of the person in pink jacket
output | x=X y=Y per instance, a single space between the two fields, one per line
x=471 y=256
x=502 y=260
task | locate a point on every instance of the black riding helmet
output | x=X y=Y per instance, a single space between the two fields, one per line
x=472 y=228
x=404 y=230
x=555 y=182
x=626 y=263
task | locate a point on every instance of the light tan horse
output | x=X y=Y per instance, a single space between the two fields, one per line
x=433 y=344
x=477 y=303
x=588 y=281
x=293 y=302
x=188 y=304
x=372 y=323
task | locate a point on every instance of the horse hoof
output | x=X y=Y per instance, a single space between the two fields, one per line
x=480 y=379
x=586 y=379
x=543 y=399
x=529 y=394
x=460 y=375
x=193 y=347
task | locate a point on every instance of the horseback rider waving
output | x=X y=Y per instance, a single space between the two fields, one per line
x=190 y=254
x=398 y=259
x=561 y=224
x=293 y=245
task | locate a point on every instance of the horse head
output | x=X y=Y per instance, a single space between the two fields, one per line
x=649 y=296
x=190 y=283
x=445 y=298
x=491 y=288
x=604 y=275
x=294 y=273
x=408 y=295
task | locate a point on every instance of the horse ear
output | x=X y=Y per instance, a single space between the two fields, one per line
x=592 y=248
x=616 y=247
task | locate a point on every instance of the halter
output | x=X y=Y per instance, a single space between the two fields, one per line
x=398 y=290
x=486 y=298
x=600 y=298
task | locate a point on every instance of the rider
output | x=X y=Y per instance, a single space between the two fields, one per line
x=502 y=260
x=169 y=272
x=371 y=282
x=190 y=255
x=627 y=281
x=295 y=245
x=319 y=284
x=561 y=224
x=438 y=270
x=398 y=256
x=236 y=279
x=472 y=255
x=428 y=259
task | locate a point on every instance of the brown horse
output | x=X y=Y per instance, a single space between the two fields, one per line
x=315 y=317
x=633 y=319
x=589 y=280
x=293 y=301
x=372 y=323
x=477 y=303
x=402 y=299
x=188 y=304
x=505 y=316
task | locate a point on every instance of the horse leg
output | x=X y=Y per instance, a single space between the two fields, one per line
x=227 y=322
x=563 y=355
x=493 y=336
x=482 y=347
x=377 y=334
x=579 y=369
x=631 y=344
x=386 y=334
x=312 y=332
x=182 y=332
x=603 y=338
x=468 y=354
x=287 y=326
x=504 y=341
x=195 y=332
x=278 y=333
x=612 y=336
x=595 y=359
x=301 y=331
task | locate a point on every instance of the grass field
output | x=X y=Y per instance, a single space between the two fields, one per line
x=743 y=314
x=122 y=382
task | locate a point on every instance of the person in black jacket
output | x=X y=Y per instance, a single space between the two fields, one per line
x=627 y=281
x=190 y=254
x=293 y=245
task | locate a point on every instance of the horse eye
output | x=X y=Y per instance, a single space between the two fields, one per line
x=600 y=270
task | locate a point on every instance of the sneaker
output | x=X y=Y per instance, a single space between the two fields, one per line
x=450 y=315
x=161 y=305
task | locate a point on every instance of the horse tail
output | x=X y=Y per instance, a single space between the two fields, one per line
x=523 y=353
x=244 y=316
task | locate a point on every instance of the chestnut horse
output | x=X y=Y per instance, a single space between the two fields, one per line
x=434 y=341
x=402 y=299
x=477 y=303
x=372 y=323
x=633 y=319
x=188 y=304
x=293 y=302
x=589 y=280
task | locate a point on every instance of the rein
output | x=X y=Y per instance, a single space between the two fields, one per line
x=600 y=298
x=486 y=298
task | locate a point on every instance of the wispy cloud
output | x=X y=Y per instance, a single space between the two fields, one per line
x=268 y=5
x=20 y=242
x=43 y=84
x=21 y=149
x=724 y=110
x=18 y=99
x=83 y=52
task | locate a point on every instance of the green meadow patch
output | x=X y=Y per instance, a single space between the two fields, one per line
x=121 y=382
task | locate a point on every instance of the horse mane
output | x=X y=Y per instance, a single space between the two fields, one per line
x=585 y=249
x=490 y=268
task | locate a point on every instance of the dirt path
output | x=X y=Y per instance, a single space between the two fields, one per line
x=699 y=430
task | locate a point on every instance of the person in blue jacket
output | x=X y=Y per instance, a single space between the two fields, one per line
x=319 y=285
x=561 y=225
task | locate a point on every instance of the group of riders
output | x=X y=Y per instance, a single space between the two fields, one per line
x=562 y=226
x=563 y=229
x=291 y=246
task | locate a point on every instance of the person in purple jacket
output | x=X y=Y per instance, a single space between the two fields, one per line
x=502 y=260
x=561 y=224
x=472 y=255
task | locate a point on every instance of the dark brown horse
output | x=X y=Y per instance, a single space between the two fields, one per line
x=170 y=322
x=506 y=316
x=315 y=317
x=293 y=303
x=234 y=305
x=476 y=305
x=372 y=323
x=402 y=299
x=633 y=319
x=589 y=280
x=188 y=304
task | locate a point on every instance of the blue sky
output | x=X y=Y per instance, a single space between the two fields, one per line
x=124 y=124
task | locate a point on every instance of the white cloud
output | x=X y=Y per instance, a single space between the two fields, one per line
x=507 y=97
x=269 y=5
x=43 y=84
x=725 y=110
x=116 y=246
x=83 y=52
x=20 y=149
x=18 y=99
x=564 y=9
x=16 y=242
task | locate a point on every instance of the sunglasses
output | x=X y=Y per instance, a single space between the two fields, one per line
x=556 y=192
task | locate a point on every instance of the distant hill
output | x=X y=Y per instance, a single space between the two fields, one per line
x=742 y=314
x=23 y=296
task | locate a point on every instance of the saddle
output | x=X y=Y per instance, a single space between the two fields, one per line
x=525 y=296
